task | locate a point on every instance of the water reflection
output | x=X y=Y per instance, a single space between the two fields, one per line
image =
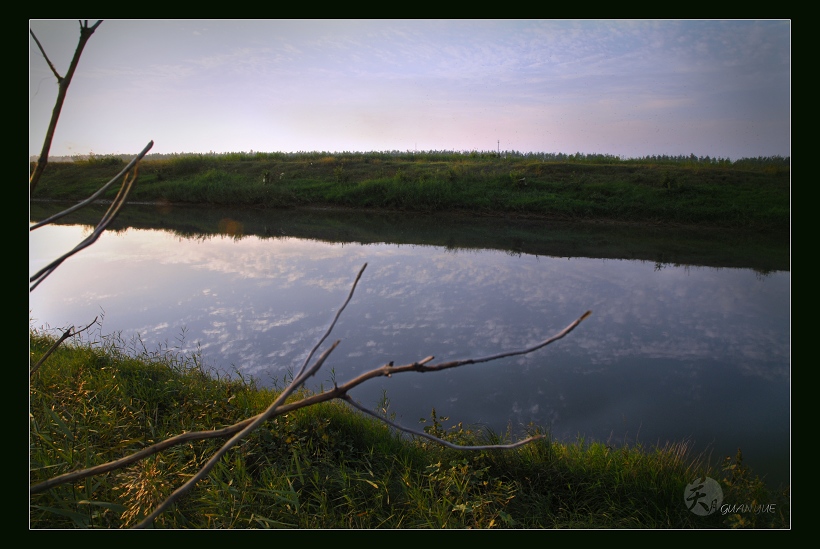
x=698 y=353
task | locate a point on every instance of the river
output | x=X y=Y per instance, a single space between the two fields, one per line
x=689 y=339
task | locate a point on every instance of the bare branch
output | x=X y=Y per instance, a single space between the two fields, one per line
x=68 y=333
x=139 y=455
x=84 y=27
x=421 y=366
x=279 y=409
x=109 y=216
x=438 y=440
x=279 y=406
x=93 y=197
x=50 y=64
x=85 y=34
x=333 y=323
x=257 y=421
x=112 y=212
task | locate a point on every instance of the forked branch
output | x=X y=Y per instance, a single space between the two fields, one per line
x=98 y=193
x=279 y=407
x=436 y=439
x=68 y=333
x=64 y=82
x=129 y=177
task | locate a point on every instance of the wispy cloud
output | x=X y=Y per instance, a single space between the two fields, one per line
x=393 y=84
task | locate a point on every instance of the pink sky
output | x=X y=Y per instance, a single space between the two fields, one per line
x=629 y=88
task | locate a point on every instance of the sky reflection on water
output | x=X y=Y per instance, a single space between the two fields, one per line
x=669 y=353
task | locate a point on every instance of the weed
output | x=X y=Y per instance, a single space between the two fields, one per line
x=340 y=175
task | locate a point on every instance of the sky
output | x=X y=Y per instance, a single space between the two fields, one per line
x=622 y=87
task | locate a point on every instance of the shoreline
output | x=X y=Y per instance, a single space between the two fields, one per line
x=456 y=213
x=656 y=242
x=703 y=196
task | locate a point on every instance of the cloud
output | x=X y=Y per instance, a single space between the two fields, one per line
x=537 y=85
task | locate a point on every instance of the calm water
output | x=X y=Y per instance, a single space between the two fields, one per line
x=670 y=353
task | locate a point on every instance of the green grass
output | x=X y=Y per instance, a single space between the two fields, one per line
x=328 y=466
x=745 y=194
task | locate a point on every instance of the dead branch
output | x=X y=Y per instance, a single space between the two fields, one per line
x=272 y=411
x=109 y=216
x=50 y=64
x=112 y=212
x=127 y=174
x=337 y=392
x=333 y=323
x=388 y=370
x=85 y=34
x=279 y=407
x=68 y=333
x=436 y=439
x=241 y=429
x=98 y=193
x=257 y=421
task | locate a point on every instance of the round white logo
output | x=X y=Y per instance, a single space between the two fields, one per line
x=703 y=496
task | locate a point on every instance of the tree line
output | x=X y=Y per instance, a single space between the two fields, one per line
x=448 y=156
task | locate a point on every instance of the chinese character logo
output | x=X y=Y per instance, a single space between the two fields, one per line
x=703 y=496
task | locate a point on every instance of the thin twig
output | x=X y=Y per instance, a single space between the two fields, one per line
x=109 y=216
x=118 y=202
x=97 y=194
x=436 y=439
x=421 y=366
x=68 y=333
x=50 y=64
x=85 y=34
x=333 y=323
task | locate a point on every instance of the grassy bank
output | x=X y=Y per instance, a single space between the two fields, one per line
x=328 y=467
x=748 y=195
